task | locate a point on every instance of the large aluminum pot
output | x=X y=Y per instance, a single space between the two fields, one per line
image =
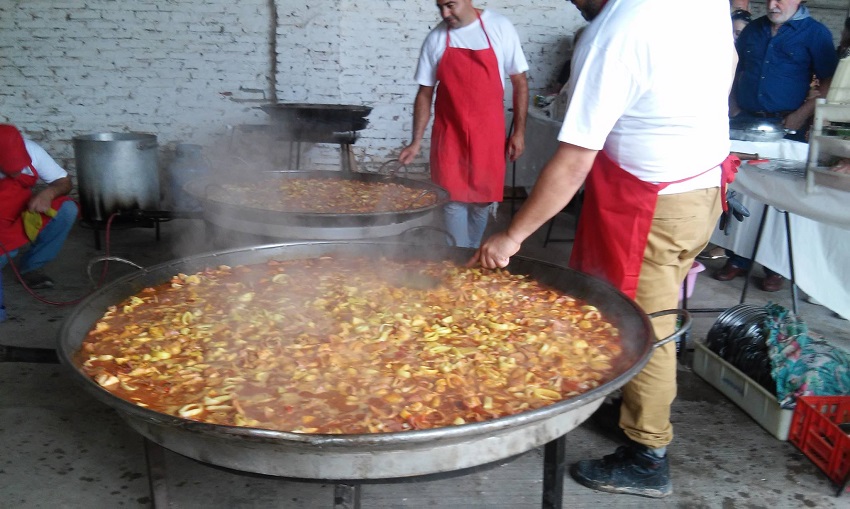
x=317 y=226
x=363 y=456
x=117 y=172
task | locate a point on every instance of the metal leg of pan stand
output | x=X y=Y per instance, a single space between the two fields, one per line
x=549 y=232
x=513 y=171
x=513 y=189
x=297 y=155
x=347 y=496
x=576 y=203
x=96 y=238
x=155 y=460
x=554 y=468
x=345 y=157
x=791 y=262
x=755 y=251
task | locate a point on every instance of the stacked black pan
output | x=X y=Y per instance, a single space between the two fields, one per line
x=738 y=336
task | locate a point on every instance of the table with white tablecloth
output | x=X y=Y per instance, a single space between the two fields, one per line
x=819 y=221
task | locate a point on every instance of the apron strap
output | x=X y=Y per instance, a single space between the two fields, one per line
x=449 y=31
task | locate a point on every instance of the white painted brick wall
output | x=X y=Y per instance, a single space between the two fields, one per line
x=187 y=70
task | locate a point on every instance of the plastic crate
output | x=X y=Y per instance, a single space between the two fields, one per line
x=745 y=392
x=814 y=430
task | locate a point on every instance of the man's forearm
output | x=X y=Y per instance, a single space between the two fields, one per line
x=560 y=179
x=520 y=102
x=799 y=117
x=59 y=187
x=421 y=112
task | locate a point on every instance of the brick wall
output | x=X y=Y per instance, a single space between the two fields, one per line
x=192 y=70
x=187 y=70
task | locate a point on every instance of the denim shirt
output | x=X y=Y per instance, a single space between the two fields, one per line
x=774 y=72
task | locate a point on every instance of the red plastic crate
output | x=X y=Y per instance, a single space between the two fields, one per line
x=814 y=430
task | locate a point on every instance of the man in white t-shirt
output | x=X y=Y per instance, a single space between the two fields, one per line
x=647 y=133
x=41 y=219
x=466 y=58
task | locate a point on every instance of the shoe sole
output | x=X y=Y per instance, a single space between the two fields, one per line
x=623 y=490
x=641 y=492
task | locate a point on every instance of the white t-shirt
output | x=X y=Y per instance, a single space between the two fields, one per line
x=48 y=169
x=651 y=89
x=502 y=35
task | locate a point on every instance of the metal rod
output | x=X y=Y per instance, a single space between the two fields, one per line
x=755 y=250
x=554 y=468
x=298 y=154
x=347 y=496
x=791 y=263
x=155 y=462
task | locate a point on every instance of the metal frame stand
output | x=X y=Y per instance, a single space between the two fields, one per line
x=514 y=198
x=576 y=204
x=347 y=493
x=790 y=256
x=749 y=271
x=98 y=226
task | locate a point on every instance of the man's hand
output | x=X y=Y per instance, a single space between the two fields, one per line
x=516 y=146
x=41 y=201
x=409 y=152
x=495 y=252
x=794 y=121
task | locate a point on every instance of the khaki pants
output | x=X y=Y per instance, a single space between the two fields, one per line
x=681 y=228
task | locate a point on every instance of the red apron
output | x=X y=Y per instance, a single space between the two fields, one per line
x=15 y=193
x=468 y=137
x=616 y=218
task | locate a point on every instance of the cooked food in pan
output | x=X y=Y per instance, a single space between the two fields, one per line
x=351 y=345
x=323 y=195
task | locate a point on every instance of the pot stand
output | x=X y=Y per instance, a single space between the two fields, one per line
x=347 y=492
x=120 y=224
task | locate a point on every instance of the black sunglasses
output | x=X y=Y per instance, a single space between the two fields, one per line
x=742 y=15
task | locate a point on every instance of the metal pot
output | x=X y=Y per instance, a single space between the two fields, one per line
x=116 y=172
x=318 y=226
x=365 y=456
x=762 y=129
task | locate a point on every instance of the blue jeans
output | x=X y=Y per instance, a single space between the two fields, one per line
x=466 y=222
x=48 y=242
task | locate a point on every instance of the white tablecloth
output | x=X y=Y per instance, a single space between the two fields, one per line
x=820 y=225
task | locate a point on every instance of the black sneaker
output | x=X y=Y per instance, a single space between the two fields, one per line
x=37 y=280
x=632 y=469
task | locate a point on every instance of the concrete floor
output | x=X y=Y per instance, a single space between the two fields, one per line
x=62 y=448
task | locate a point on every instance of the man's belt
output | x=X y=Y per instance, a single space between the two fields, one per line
x=768 y=114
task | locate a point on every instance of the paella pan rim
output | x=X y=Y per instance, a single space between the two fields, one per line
x=215 y=208
x=75 y=326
